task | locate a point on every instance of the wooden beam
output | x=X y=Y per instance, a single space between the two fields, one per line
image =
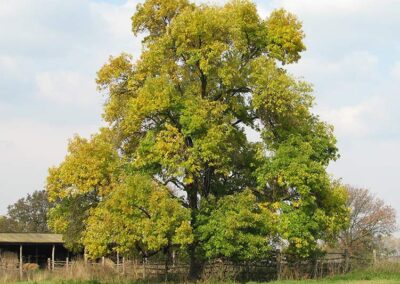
x=53 y=252
x=20 y=261
x=36 y=254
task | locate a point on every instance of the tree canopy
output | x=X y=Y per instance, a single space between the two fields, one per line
x=180 y=115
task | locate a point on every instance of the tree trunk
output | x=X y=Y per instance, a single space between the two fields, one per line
x=166 y=268
x=195 y=266
x=167 y=253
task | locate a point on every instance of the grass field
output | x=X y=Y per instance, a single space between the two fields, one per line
x=382 y=273
x=326 y=281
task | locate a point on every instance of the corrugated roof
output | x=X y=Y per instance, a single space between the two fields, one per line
x=30 y=238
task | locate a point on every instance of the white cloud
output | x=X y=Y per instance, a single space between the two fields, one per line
x=67 y=87
x=8 y=64
x=370 y=164
x=353 y=66
x=117 y=19
x=395 y=72
x=323 y=6
x=358 y=120
x=37 y=141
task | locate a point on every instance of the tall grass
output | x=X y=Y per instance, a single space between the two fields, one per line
x=78 y=272
x=383 y=270
x=81 y=273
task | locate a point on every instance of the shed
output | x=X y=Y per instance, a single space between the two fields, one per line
x=34 y=247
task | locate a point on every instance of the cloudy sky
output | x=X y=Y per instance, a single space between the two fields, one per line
x=50 y=51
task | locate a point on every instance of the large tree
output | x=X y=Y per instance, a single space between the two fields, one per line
x=180 y=115
x=27 y=215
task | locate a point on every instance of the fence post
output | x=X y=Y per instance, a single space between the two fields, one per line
x=346 y=261
x=278 y=264
x=48 y=264
x=118 y=262
x=166 y=268
x=85 y=258
x=173 y=258
x=123 y=265
x=67 y=263
x=374 y=257
x=315 y=272
x=135 y=268
x=144 y=268
x=103 y=261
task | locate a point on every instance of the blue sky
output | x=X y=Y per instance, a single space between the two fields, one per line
x=50 y=51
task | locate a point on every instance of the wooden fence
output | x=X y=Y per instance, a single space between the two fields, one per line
x=277 y=266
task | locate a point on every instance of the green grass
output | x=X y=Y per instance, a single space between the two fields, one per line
x=338 y=282
x=383 y=273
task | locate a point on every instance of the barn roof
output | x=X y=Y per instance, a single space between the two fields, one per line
x=30 y=238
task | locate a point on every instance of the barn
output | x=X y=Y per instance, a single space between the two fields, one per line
x=33 y=247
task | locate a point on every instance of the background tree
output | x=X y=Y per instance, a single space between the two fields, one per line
x=389 y=246
x=370 y=220
x=9 y=226
x=179 y=114
x=27 y=215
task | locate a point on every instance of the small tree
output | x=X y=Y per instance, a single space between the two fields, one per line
x=370 y=220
